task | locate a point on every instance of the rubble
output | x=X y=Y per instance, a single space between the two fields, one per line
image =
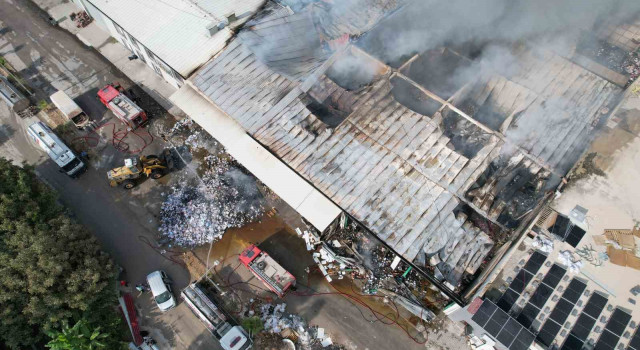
x=277 y=321
x=223 y=198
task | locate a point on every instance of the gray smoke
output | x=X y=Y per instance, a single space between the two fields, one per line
x=426 y=24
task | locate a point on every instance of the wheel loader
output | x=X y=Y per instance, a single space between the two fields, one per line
x=135 y=168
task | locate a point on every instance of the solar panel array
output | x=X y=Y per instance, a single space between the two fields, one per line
x=585 y=322
x=634 y=343
x=613 y=330
x=521 y=280
x=567 y=231
x=561 y=312
x=541 y=295
x=502 y=327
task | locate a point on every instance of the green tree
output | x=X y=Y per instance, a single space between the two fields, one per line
x=79 y=337
x=51 y=269
x=253 y=325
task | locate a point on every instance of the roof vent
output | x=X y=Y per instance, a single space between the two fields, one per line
x=215 y=27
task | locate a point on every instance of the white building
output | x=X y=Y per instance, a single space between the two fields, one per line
x=173 y=37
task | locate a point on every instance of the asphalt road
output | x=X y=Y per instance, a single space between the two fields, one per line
x=51 y=59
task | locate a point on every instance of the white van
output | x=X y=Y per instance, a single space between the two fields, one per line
x=161 y=289
x=60 y=153
x=70 y=109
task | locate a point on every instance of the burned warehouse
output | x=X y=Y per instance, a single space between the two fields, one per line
x=445 y=151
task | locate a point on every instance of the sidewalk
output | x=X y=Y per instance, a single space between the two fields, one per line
x=114 y=51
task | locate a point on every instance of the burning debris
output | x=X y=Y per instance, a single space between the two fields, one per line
x=225 y=197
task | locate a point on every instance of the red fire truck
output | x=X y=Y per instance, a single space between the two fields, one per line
x=267 y=270
x=113 y=97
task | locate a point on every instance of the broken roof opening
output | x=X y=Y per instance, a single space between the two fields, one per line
x=328 y=111
x=440 y=71
x=510 y=188
x=354 y=70
x=465 y=137
x=413 y=98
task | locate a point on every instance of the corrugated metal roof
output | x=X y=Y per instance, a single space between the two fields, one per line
x=176 y=31
x=224 y=8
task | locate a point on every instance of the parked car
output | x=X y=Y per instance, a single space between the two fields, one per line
x=160 y=286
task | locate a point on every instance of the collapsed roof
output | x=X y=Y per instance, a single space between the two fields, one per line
x=403 y=153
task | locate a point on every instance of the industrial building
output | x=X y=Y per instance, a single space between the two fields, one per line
x=174 y=38
x=460 y=177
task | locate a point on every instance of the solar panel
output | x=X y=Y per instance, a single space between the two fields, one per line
x=541 y=295
x=561 y=312
x=575 y=236
x=521 y=280
x=484 y=313
x=634 y=343
x=595 y=305
x=509 y=332
x=553 y=277
x=585 y=322
x=574 y=290
x=528 y=315
x=618 y=322
x=572 y=343
x=496 y=322
x=523 y=340
x=502 y=327
x=548 y=332
x=508 y=299
x=607 y=341
x=613 y=330
x=583 y=326
x=535 y=262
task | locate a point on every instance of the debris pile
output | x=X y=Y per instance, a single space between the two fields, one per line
x=277 y=321
x=224 y=197
x=373 y=267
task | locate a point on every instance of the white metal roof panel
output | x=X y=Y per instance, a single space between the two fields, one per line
x=176 y=31
x=290 y=186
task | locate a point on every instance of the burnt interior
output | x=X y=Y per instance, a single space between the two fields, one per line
x=464 y=137
x=412 y=98
x=600 y=51
x=485 y=113
x=508 y=191
x=440 y=71
x=329 y=111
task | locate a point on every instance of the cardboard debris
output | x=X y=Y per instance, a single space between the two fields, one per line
x=623 y=258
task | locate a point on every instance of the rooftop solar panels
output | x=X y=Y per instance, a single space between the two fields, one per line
x=561 y=312
x=535 y=262
x=574 y=290
x=567 y=231
x=541 y=295
x=521 y=280
x=634 y=343
x=585 y=322
x=502 y=327
x=613 y=330
x=555 y=274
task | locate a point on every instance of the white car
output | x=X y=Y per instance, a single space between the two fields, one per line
x=160 y=285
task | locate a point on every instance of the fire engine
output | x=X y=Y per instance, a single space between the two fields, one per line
x=267 y=270
x=113 y=97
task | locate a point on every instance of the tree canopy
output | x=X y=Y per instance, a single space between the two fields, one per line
x=51 y=269
x=79 y=337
